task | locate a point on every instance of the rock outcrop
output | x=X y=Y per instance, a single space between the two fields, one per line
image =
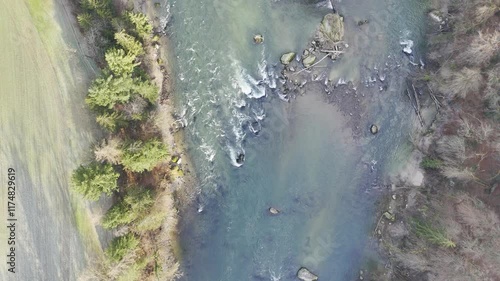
x=331 y=31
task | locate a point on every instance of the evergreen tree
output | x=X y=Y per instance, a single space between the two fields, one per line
x=110 y=121
x=134 y=205
x=143 y=156
x=147 y=90
x=129 y=43
x=85 y=21
x=101 y=7
x=121 y=246
x=141 y=24
x=106 y=92
x=120 y=63
x=92 y=180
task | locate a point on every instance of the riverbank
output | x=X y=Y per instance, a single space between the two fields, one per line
x=141 y=161
x=440 y=219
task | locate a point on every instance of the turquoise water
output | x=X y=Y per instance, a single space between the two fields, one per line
x=300 y=156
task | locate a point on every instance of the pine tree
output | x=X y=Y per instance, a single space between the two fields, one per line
x=134 y=206
x=93 y=180
x=141 y=24
x=147 y=90
x=110 y=121
x=121 y=246
x=120 y=63
x=106 y=92
x=129 y=43
x=143 y=156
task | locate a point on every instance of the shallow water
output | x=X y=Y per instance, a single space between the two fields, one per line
x=46 y=132
x=303 y=158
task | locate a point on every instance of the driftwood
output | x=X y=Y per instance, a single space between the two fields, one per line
x=311 y=65
x=332 y=51
x=415 y=106
x=434 y=99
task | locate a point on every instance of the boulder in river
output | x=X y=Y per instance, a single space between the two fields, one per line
x=258 y=39
x=240 y=159
x=305 y=275
x=309 y=60
x=274 y=211
x=373 y=129
x=287 y=58
x=330 y=31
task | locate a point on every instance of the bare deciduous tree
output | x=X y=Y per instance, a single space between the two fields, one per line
x=482 y=49
x=109 y=151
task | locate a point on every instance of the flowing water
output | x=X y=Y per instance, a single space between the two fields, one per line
x=46 y=132
x=300 y=157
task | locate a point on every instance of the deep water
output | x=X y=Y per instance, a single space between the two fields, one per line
x=300 y=156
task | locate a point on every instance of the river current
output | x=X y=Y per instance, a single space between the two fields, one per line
x=301 y=157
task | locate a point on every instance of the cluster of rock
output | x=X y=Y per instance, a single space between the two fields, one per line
x=327 y=43
x=327 y=40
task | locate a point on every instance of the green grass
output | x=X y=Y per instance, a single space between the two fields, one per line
x=431 y=163
x=84 y=225
x=433 y=235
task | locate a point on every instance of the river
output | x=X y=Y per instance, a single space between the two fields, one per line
x=46 y=132
x=300 y=156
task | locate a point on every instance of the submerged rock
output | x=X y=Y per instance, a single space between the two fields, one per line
x=258 y=39
x=330 y=31
x=287 y=58
x=274 y=211
x=363 y=22
x=373 y=129
x=305 y=275
x=309 y=60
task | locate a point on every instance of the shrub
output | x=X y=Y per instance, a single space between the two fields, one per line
x=129 y=43
x=465 y=174
x=485 y=12
x=482 y=49
x=134 y=205
x=121 y=246
x=141 y=24
x=150 y=222
x=119 y=63
x=109 y=151
x=431 y=163
x=143 y=156
x=92 y=180
x=463 y=82
x=451 y=149
x=135 y=109
x=134 y=271
x=436 y=236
